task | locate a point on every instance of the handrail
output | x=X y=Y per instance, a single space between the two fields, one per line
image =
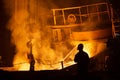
x=69 y=53
x=61 y=62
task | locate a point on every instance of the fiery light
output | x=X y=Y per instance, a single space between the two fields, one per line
x=25 y=25
x=92 y=47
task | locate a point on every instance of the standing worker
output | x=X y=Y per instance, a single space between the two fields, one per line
x=31 y=57
x=82 y=60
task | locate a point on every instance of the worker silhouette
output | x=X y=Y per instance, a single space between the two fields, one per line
x=30 y=56
x=82 y=60
x=31 y=61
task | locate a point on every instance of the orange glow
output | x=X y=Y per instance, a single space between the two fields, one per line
x=26 y=26
x=92 y=47
x=90 y=35
x=24 y=67
x=51 y=61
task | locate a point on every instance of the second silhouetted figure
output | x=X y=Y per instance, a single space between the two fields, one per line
x=82 y=60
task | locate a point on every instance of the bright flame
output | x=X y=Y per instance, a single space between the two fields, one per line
x=24 y=67
x=25 y=26
x=92 y=47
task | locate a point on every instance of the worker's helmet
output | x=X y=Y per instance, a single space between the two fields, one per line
x=80 y=47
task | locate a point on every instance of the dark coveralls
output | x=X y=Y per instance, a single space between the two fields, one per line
x=30 y=56
x=32 y=61
x=82 y=60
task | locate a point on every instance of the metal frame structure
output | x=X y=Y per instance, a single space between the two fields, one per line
x=89 y=10
x=65 y=19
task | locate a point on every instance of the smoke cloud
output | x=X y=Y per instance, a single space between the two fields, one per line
x=28 y=22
